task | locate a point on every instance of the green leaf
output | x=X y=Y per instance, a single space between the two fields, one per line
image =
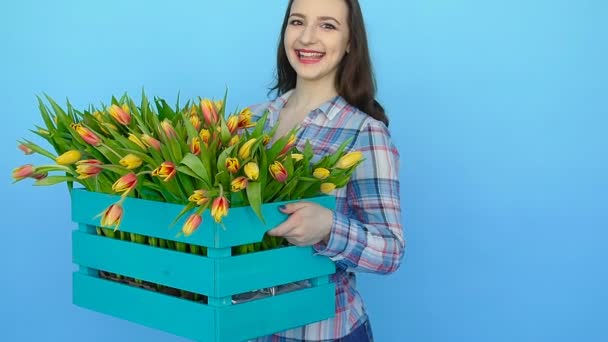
x=52 y=180
x=260 y=124
x=254 y=195
x=197 y=167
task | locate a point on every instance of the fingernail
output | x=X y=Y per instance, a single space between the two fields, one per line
x=282 y=207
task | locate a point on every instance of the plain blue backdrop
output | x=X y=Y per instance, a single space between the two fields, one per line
x=499 y=110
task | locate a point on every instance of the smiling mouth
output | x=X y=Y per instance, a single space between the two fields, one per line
x=308 y=56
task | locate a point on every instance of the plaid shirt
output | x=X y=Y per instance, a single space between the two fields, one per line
x=366 y=233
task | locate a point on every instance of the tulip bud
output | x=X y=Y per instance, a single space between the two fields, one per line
x=265 y=139
x=252 y=171
x=87 y=135
x=209 y=111
x=112 y=216
x=25 y=149
x=23 y=172
x=68 y=158
x=349 y=160
x=168 y=129
x=232 y=123
x=234 y=140
x=133 y=138
x=195 y=146
x=88 y=168
x=125 y=184
x=245 y=150
x=131 y=161
x=120 y=114
x=326 y=188
x=290 y=143
x=245 y=118
x=150 y=142
x=200 y=197
x=232 y=164
x=205 y=136
x=297 y=156
x=195 y=121
x=219 y=208
x=321 y=173
x=239 y=183
x=166 y=171
x=192 y=224
x=278 y=171
x=40 y=175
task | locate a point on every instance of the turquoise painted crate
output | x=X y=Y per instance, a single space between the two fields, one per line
x=219 y=275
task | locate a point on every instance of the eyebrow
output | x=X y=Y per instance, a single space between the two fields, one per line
x=320 y=18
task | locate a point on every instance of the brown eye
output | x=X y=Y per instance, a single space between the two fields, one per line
x=328 y=26
x=295 y=22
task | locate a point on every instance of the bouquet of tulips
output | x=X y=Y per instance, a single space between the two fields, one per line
x=195 y=155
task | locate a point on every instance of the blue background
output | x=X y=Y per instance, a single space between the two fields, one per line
x=499 y=109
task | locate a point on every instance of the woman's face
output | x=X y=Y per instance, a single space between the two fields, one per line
x=316 y=38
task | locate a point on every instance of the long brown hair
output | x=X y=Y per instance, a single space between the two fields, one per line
x=354 y=79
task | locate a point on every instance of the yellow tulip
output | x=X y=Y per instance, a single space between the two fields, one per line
x=297 y=156
x=131 y=161
x=245 y=151
x=68 y=158
x=326 y=188
x=200 y=197
x=239 y=183
x=321 y=173
x=349 y=160
x=232 y=164
x=133 y=138
x=252 y=171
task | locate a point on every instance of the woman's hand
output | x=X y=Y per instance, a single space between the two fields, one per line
x=307 y=224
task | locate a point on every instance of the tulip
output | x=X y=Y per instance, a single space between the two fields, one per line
x=68 y=158
x=166 y=171
x=23 y=172
x=88 y=168
x=349 y=160
x=151 y=142
x=195 y=146
x=87 y=135
x=245 y=118
x=219 y=208
x=133 y=138
x=290 y=143
x=192 y=224
x=278 y=171
x=232 y=164
x=209 y=110
x=239 y=183
x=321 y=173
x=245 y=150
x=131 y=161
x=252 y=171
x=232 y=123
x=125 y=183
x=43 y=131
x=265 y=139
x=40 y=175
x=205 y=135
x=112 y=216
x=168 y=129
x=297 y=156
x=25 y=149
x=234 y=140
x=195 y=120
x=218 y=105
x=200 y=197
x=326 y=188
x=121 y=114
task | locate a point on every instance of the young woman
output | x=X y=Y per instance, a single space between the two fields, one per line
x=325 y=87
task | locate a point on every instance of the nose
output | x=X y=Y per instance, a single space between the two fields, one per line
x=308 y=35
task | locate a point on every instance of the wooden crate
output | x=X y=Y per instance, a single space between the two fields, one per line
x=219 y=275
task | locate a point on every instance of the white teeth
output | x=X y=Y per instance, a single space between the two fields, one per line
x=310 y=54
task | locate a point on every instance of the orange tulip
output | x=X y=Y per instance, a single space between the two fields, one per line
x=209 y=110
x=232 y=123
x=112 y=216
x=290 y=143
x=192 y=224
x=195 y=146
x=125 y=184
x=121 y=114
x=232 y=164
x=195 y=120
x=278 y=171
x=205 y=136
x=168 y=129
x=245 y=118
x=219 y=208
x=239 y=183
x=23 y=172
x=150 y=142
x=88 y=168
x=25 y=149
x=166 y=171
x=87 y=135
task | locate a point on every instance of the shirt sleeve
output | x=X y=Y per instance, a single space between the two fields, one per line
x=367 y=234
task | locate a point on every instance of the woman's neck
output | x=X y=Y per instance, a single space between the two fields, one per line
x=310 y=95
